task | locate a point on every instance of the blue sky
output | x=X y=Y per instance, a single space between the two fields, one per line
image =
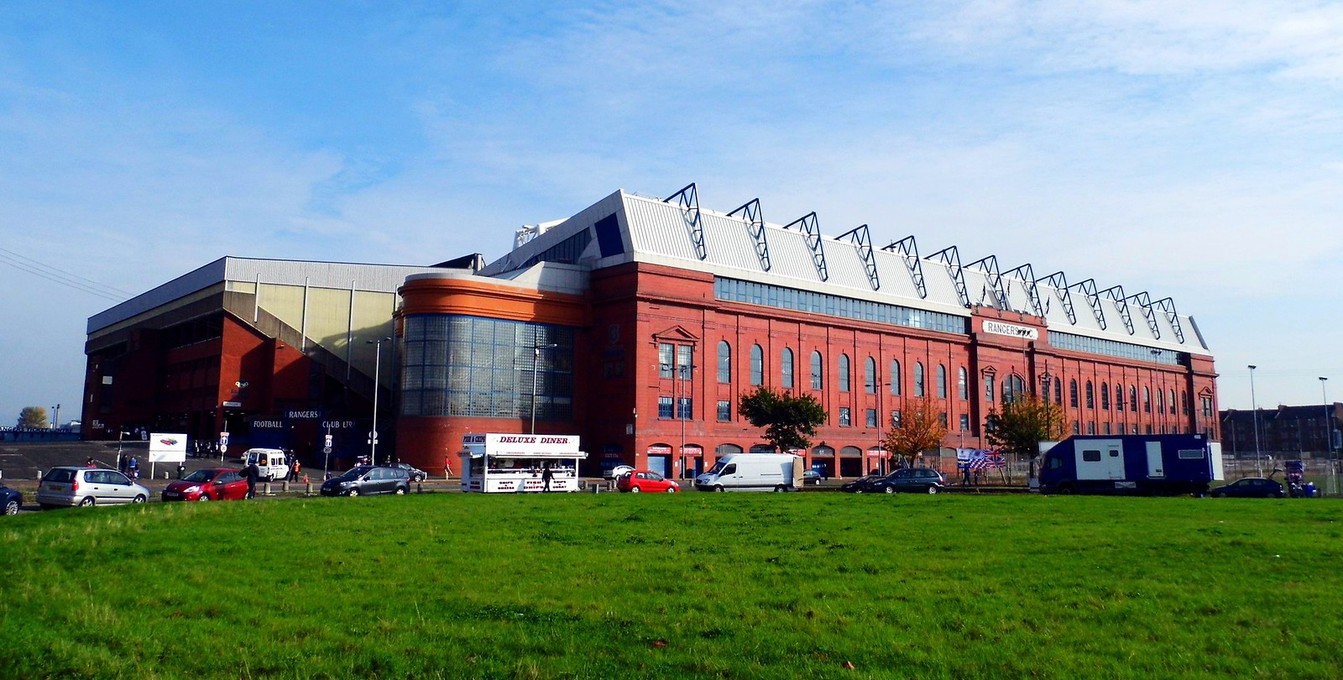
x=1192 y=150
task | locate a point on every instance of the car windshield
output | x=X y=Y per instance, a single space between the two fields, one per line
x=199 y=476
x=356 y=472
x=717 y=468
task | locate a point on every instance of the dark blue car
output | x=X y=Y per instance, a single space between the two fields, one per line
x=10 y=500
x=1250 y=487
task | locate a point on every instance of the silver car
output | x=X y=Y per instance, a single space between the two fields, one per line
x=85 y=486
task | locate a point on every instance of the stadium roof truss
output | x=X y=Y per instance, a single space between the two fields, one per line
x=908 y=250
x=689 y=202
x=1059 y=282
x=1167 y=305
x=811 y=230
x=863 y=239
x=989 y=265
x=1116 y=293
x=1026 y=276
x=1088 y=287
x=756 y=225
x=951 y=257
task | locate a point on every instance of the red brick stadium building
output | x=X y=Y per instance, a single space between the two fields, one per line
x=638 y=322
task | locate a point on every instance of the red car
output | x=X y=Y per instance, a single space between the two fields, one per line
x=646 y=480
x=220 y=484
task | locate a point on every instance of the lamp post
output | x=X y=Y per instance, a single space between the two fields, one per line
x=1254 y=415
x=377 y=383
x=536 y=360
x=1328 y=424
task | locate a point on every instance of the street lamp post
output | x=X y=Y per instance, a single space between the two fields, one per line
x=377 y=370
x=536 y=360
x=1254 y=415
x=1329 y=437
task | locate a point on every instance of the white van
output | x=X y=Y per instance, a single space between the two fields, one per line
x=273 y=464
x=753 y=472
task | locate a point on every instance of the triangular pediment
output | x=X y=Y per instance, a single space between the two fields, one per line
x=676 y=334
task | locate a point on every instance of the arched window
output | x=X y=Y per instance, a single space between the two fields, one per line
x=870 y=376
x=1146 y=400
x=1072 y=393
x=1105 y=397
x=941 y=381
x=817 y=372
x=786 y=368
x=1013 y=388
x=724 y=362
x=962 y=383
x=1091 y=397
x=1160 y=401
x=1133 y=400
x=1184 y=402
x=918 y=379
x=895 y=377
x=757 y=365
x=1172 y=401
x=1119 y=397
x=843 y=372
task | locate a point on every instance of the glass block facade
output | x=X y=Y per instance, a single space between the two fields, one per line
x=456 y=365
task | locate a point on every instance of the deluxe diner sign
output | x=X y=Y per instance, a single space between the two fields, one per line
x=1011 y=329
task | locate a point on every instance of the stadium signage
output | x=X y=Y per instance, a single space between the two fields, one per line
x=1011 y=329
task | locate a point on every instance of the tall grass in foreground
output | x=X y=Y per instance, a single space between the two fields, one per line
x=716 y=585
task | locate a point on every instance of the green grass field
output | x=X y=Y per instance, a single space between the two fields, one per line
x=707 y=585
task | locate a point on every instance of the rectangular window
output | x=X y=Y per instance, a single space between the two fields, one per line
x=895 y=419
x=872 y=417
x=724 y=411
x=845 y=419
x=965 y=422
x=665 y=369
x=683 y=361
x=1091 y=456
x=685 y=408
x=665 y=407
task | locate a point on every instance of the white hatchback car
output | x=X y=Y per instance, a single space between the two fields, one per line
x=84 y=486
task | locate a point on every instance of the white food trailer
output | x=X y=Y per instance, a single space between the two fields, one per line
x=517 y=463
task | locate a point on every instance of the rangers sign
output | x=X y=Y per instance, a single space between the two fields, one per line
x=1011 y=329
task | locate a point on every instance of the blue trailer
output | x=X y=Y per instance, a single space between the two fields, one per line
x=1152 y=464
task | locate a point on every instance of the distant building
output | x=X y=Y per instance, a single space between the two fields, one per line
x=1283 y=432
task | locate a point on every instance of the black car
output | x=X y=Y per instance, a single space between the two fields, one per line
x=364 y=480
x=1250 y=487
x=862 y=484
x=921 y=480
x=10 y=501
x=416 y=474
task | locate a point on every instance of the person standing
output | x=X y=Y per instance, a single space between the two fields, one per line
x=252 y=473
x=546 y=475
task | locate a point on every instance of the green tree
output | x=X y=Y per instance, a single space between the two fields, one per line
x=1022 y=424
x=789 y=420
x=33 y=417
x=920 y=429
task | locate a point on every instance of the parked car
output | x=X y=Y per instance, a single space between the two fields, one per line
x=416 y=474
x=922 y=480
x=618 y=471
x=207 y=485
x=862 y=484
x=84 y=486
x=646 y=480
x=366 y=480
x=812 y=477
x=1250 y=487
x=10 y=501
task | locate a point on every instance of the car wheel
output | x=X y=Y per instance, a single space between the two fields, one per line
x=635 y=489
x=779 y=489
x=400 y=490
x=932 y=489
x=671 y=489
x=12 y=508
x=889 y=489
x=1218 y=494
x=354 y=491
x=718 y=488
x=1279 y=494
x=139 y=499
x=87 y=502
x=203 y=497
x=1066 y=490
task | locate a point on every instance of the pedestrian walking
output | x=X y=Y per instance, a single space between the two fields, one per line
x=546 y=475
